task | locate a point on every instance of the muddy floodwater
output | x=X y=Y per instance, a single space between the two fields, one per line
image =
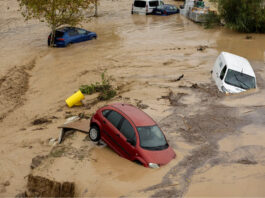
x=219 y=139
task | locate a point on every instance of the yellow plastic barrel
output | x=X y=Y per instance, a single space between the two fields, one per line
x=75 y=99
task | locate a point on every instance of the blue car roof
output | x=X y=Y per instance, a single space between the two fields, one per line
x=64 y=29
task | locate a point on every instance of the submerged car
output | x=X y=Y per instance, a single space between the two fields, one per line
x=69 y=35
x=233 y=74
x=165 y=9
x=132 y=134
x=145 y=6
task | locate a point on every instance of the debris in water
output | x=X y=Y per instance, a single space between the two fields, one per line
x=177 y=79
x=247 y=161
x=140 y=105
x=52 y=141
x=195 y=86
x=41 y=121
x=174 y=98
x=75 y=99
x=76 y=124
x=36 y=161
x=202 y=47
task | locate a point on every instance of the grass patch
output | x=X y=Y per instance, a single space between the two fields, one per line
x=104 y=88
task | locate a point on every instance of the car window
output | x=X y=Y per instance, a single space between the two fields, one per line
x=222 y=75
x=114 y=118
x=81 y=31
x=170 y=7
x=106 y=112
x=127 y=130
x=240 y=80
x=72 y=32
x=59 y=34
x=152 y=138
x=140 y=4
x=153 y=3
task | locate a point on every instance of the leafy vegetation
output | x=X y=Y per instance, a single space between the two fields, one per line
x=243 y=15
x=212 y=20
x=105 y=89
x=55 y=12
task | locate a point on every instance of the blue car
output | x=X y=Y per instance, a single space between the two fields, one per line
x=68 y=35
x=165 y=9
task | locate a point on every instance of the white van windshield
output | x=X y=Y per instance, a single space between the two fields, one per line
x=240 y=80
x=140 y=4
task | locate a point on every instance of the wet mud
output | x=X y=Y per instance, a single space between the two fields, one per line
x=13 y=86
x=205 y=129
x=159 y=64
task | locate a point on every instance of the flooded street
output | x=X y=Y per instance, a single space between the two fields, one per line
x=219 y=139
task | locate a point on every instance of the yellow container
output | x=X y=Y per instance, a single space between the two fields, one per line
x=75 y=99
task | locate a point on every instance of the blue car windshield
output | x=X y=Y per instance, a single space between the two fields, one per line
x=167 y=7
x=160 y=7
x=239 y=79
x=152 y=138
x=170 y=7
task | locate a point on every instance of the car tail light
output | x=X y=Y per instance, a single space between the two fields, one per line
x=60 y=39
x=146 y=8
x=165 y=12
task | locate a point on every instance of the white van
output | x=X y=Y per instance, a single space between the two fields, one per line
x=233 y=74
x=145 y=6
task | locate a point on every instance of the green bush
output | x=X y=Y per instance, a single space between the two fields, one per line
x=212 y=20
x=243 y=15
x=105 y=89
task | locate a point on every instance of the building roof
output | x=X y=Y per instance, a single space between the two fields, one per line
x=238 y=63
x=137 y=116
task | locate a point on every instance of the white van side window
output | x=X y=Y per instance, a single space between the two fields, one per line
x=153 y=3
x=222 y=75
x=140 y=4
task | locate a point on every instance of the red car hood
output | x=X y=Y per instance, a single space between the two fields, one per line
x=161 y=157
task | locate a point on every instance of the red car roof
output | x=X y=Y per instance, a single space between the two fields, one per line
x=137 y=116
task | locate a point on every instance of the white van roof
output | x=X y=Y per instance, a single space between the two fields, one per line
x=237 y=63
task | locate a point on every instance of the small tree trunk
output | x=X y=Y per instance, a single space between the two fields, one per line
x=96 y=8
x=53 y=24
x=52 y=36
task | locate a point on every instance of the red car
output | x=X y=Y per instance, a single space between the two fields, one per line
x=132 y=134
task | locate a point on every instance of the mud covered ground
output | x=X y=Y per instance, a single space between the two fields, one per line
x=218 y=139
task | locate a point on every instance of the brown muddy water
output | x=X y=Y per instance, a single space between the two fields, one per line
x=219 y=139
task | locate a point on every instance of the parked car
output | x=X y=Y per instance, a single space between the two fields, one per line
x=132 y=134
x=145 y=6
x=165 y=9
x=233 y=74
x=69 y=35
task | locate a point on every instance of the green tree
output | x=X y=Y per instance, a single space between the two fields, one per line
x=243 y=15
x=55 y=12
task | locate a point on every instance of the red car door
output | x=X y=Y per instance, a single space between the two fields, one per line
x=112 y=134
x=127 y=138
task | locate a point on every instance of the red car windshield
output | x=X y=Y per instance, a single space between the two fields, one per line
x=152 y=138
